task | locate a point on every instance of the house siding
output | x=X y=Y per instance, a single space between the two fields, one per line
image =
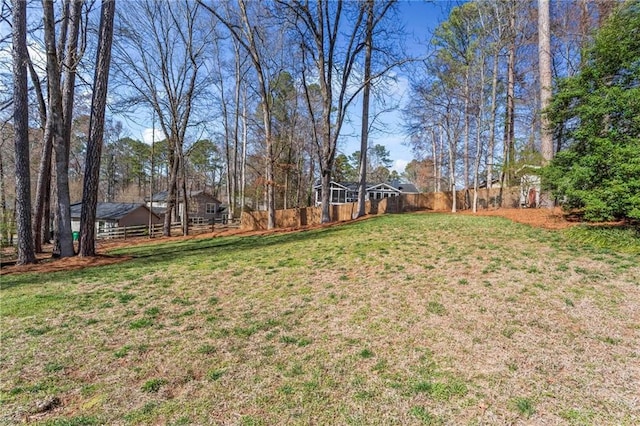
x=139 y=216
x=198 y=206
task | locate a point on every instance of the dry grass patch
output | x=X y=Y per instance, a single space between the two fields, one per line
x=412 y=319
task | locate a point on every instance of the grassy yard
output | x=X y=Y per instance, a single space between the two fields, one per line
x=402 y=319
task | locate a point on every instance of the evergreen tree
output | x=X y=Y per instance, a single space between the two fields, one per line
x=598 y=111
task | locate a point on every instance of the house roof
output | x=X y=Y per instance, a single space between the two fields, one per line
x=108 y=211
x=162 y=196
x=406 y=188
x=396 y=185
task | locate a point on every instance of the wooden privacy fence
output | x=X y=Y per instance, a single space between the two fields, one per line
x=436 y=201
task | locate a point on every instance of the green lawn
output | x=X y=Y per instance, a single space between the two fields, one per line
x=401 y=319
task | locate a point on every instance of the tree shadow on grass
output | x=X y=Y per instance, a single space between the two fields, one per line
x=154 y=255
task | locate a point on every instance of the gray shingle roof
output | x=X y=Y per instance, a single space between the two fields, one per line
x=107 y=211
x=405 y=188
x=161 y=196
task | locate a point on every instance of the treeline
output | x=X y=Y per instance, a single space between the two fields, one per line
x=249 y=100
x=475 y=110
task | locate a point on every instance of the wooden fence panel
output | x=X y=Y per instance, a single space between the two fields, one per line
x=436 y=201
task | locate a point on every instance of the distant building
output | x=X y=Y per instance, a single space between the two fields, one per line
x=347 y=192
x=530 y=186
x=203 y=207
x=115 y=215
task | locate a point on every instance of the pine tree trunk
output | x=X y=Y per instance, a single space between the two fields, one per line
x=452 y=176
x=26 y=252
x=96 y=131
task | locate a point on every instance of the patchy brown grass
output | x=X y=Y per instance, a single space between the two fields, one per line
x=405 y=319
x=542 y=218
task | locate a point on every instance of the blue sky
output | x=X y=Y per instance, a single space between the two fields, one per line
x=420 y=19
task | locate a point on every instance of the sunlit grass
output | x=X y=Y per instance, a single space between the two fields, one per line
x=401 y=319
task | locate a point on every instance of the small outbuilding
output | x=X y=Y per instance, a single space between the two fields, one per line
x=530 y=186
x=115 y=215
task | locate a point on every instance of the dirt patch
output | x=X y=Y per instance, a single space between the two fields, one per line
x=542 y=218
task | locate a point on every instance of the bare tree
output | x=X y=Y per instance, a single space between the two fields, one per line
x=159 y=52
x=26 y=252
x=231 y=113
x=330 y=60
x=96 y=131
x=246 y=32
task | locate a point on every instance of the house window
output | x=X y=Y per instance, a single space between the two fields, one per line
x=211 y=208
x=338 y=195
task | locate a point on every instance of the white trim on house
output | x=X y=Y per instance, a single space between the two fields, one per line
x=342 y=194
x=382 y=190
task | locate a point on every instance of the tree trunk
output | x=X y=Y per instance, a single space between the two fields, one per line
x=4 y=218
x=466 y=128
x=185 y=195
x=544 y=60
x=434 y=149
x=63 y=231
x=43 y=189
x=326 y=196
x=452 y=175
x=492 y=123
x=364 y=137
x=96 y=131
x=173 y=186
x=509 y=123
x=243 y=165
x=479 y=120
x=440 y=162
x=43 y=185
x=26 y=252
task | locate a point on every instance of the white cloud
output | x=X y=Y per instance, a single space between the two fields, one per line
x=150 y=134
x=399 y=165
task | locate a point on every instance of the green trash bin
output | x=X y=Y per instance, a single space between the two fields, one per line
x=76 y=236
